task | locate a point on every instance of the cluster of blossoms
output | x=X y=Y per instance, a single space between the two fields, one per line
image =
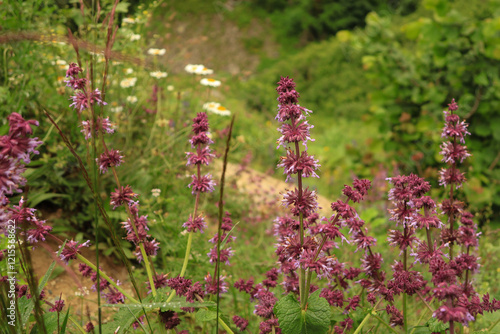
x=136 y=225
x=226 y=253
x=112 y=295
x=413 y=210
x=15 y=150
x=85 y=100
x=306 y=241
x=200 y=141
x=453 y=287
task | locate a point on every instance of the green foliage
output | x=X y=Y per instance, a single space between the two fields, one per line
x=292 y=319
x=317 y=20
x=416 y=69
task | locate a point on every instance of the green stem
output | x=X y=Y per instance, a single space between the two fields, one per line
x=365 y=320
x=225 y=326
x=184 y=265
x=493 y=325
x=405 y=322
x=384 y=323
x=426 y=304
x=106 y=277
x=148 y=269
x=186 y=257
x=419 y=320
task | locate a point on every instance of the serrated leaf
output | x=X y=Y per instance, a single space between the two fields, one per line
x=50 y=322
x=169 y=305
x=205 y=315
x=315 y=319
x=421 y=330
x=436 y=326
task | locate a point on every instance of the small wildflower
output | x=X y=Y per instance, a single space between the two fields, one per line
x=158 y=74
x=71 y=249
x=135 y=37
x=127 y=83
x=210 y=82
x=131 y=99
x=155 y=192
x=58 y=306
x=156 y=52
x=193 y=69
x=109 y=159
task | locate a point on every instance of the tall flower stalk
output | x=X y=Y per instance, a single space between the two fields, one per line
x=202 y=155
x=294 y=130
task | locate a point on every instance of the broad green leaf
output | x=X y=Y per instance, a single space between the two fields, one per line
x=50 y=322
x=436 y=326
x=315 y=319
x=152 y=305
x=38 y=198
x=205 y=315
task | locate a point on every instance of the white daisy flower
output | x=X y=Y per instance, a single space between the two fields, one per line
x=210 y=82
x=129 y=71
x=209 y=106
x=131 y=99
x=117 y=109
x=158 y=74
x=157 y=52
x=135 y=37
x=155 y=192
x=216 y=108
x=204 y=71
x=129 y=82
x=193 y=69
x=221 y=111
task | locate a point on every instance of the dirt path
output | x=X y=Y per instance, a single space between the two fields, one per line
x=214 y=41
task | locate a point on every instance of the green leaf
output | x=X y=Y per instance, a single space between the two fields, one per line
x=482 y=79
x=436 y=326
x=315 y=319
x=205 y=315
x=421 y=330
x=65 y=322
x=50 y=322
x=170 y=305
x=38 y=198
